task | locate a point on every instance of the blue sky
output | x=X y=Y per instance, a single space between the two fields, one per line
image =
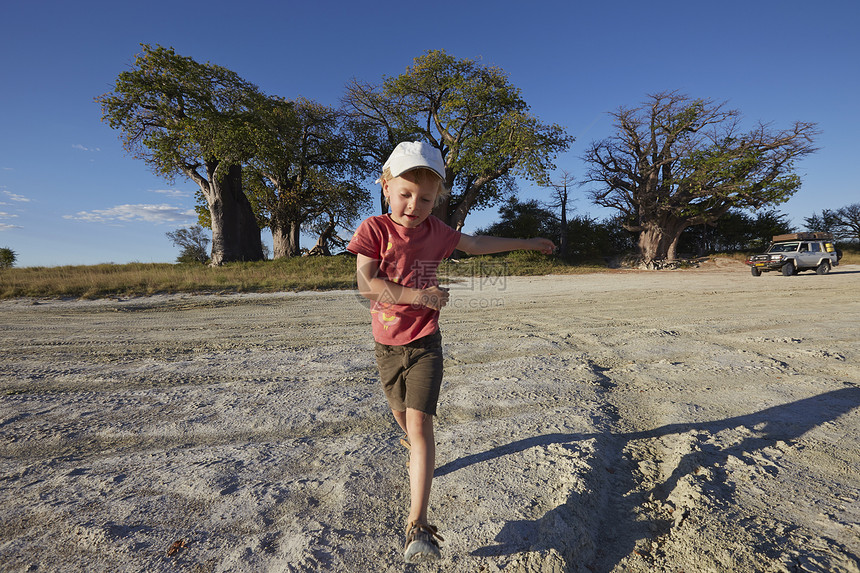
x=69 y=193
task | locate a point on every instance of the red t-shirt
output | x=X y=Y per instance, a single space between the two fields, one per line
x=408 y=257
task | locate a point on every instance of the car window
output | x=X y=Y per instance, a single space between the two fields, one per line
x=815 y=247
x=784 y=248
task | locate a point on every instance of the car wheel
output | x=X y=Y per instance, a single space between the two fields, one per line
x=787 y=269
x=755 y=272
x=823 y=268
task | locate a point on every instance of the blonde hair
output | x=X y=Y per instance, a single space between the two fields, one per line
x=421 y=174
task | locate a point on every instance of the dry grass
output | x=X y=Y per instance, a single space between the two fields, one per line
x=850 y=257
x=314 y=273
x=145 y=279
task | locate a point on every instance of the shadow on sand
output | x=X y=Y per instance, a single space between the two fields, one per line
x=618 y=538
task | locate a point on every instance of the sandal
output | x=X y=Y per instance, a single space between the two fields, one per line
x=421 y=544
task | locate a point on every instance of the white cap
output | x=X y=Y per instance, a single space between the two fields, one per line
x=412 y=155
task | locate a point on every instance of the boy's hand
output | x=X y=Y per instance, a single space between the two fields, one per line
x=434 y=297
x=543 y=245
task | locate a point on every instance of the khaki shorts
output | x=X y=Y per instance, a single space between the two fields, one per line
x=412 y=374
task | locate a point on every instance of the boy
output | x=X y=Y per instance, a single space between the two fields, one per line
x=398 y=254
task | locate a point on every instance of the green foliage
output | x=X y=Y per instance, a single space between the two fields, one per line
x=590 y=239
x=825 y=223
x=675 y=162
x=193 y=242
x=304 y=170
x=844 y=223
x=765 y=226
x=735 y=231
x=186 y=118
x=177 y=114
x=472 y=114
x=587 y=238
x=7 y=258
x=523 y=220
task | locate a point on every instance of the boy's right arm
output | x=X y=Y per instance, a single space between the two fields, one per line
x=375 y=288
x=484 y=245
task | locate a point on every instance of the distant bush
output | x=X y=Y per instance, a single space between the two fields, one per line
x=7 y=258
x=587 y=238
x=193 y=242
x=590 y=239
x=522 y=220
x=735 y=231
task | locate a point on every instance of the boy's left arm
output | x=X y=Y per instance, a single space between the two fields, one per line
x=485 y=244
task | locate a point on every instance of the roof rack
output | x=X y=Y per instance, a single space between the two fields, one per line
x=803 y=236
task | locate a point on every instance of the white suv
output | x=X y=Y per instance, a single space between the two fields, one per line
x=797 y=252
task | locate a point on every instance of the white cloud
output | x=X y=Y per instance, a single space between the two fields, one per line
x=172 y=192
x=85 y=148
x=125 y=213
x=5 y=215
x=14 y=197
x=6 y=226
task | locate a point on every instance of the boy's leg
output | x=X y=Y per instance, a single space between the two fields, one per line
x=422 y=461
x=400 y=417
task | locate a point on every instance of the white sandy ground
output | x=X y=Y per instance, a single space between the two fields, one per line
x=697 y=420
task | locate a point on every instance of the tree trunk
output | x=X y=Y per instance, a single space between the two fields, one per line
x=562 y=242
x=649 y=244
x=321 y=247
x=659 y=241
x=295 y=244
x=280 y=241
x=672 y=253
x=440 y=211
x=286 y=239
x=457 y=218
x=235 y=234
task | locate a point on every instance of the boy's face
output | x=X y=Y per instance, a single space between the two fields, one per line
x=412 y=197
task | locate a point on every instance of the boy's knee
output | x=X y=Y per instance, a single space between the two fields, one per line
x=418 y=420
x=417 y=415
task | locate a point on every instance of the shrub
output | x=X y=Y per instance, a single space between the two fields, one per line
x=193 y=243
x=7 y=258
